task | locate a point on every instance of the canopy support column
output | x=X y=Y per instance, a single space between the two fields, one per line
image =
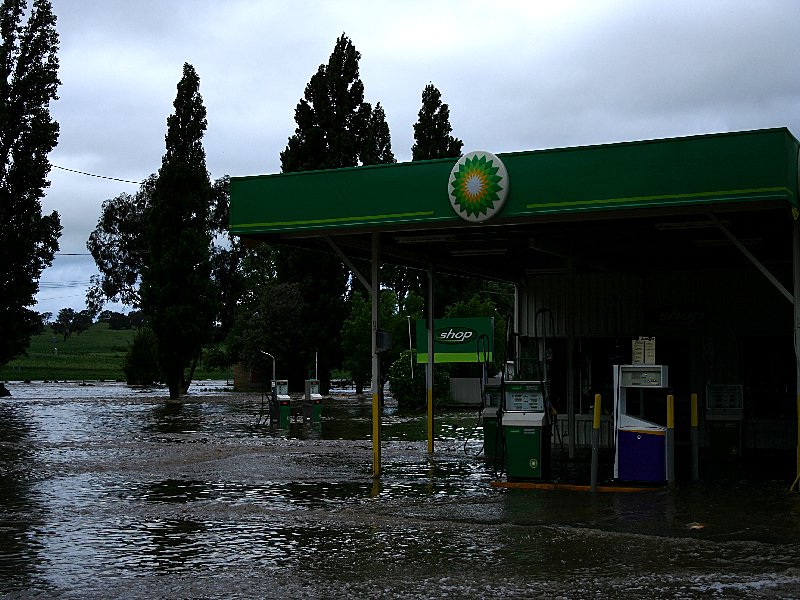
x=377 y=409
x=571 y=363
x=429 y=371
x=796 y=332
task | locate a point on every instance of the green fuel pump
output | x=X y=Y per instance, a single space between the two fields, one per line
x=526 y=429
x=282 y=404
x=312 y=407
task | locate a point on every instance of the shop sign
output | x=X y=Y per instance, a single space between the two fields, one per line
x=468 y=340
x=677 y=316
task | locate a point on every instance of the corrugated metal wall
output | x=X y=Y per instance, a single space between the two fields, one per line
x=733 y=312
x=742 y=302
x=597 y=304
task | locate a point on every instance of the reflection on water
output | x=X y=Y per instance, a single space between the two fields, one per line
x=174 y=490
x=20 y=509
x=118 y=493
x=175 y=417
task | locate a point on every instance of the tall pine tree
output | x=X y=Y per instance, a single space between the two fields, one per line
x=177 y=292
x=335 y=128
x=331 y=115
x=432 y=140
x=432 y=137
x=28 y=239
x=376 y=142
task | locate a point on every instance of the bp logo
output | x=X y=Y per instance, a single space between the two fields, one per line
x=478 y=186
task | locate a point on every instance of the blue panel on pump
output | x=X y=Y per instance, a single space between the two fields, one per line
x=641 y=456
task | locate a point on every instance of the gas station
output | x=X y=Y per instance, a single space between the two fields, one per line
x=690 y=242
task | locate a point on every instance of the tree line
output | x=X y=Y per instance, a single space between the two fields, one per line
x=69 y=321
x=165 y=250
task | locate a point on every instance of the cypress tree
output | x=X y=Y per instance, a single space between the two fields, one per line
x=119 y=247
x=177 y=292
x=28 y=239
x=432 y=137
x=376 y=144
x=330 y=116
x=332 y=123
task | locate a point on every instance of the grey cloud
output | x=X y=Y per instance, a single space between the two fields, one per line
x=517 y=76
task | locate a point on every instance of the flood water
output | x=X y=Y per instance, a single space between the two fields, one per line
x=110 y=492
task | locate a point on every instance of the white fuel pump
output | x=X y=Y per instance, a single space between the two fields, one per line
x=641 y=447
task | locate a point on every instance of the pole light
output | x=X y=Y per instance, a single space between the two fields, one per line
x=273 y=364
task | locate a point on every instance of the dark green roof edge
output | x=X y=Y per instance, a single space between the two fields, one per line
x=700 y=169
x=395 y=165
x=649 y=141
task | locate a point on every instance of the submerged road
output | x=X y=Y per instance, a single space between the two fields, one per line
x=107 y=491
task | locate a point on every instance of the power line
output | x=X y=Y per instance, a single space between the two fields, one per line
x=98 y=176
x=63 y=284
x=40 y=300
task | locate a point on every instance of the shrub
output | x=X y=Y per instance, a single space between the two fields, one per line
x=411 y=394
x=214 y=359
x=141 y=361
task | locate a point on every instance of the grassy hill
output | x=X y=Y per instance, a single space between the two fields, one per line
x=96 y=354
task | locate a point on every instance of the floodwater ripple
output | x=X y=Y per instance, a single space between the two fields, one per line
x=111 y=492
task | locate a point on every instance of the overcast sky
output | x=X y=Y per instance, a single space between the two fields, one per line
x=520 y=75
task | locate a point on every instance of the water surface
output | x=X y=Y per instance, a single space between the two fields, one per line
x=110 y=491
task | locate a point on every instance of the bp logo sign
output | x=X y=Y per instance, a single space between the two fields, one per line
x=478 y=186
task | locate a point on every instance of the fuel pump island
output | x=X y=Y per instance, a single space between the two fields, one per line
x=280 y=402
x=280 y=412
x=518 y=422
x=515 y=413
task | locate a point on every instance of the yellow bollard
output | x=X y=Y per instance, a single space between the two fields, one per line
x=670 y=439
x=430 y=421
x=797 y=479
x=695 y=441
x=670 y=411
x=596 y=421
x=376 y=434
x=595 y=442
